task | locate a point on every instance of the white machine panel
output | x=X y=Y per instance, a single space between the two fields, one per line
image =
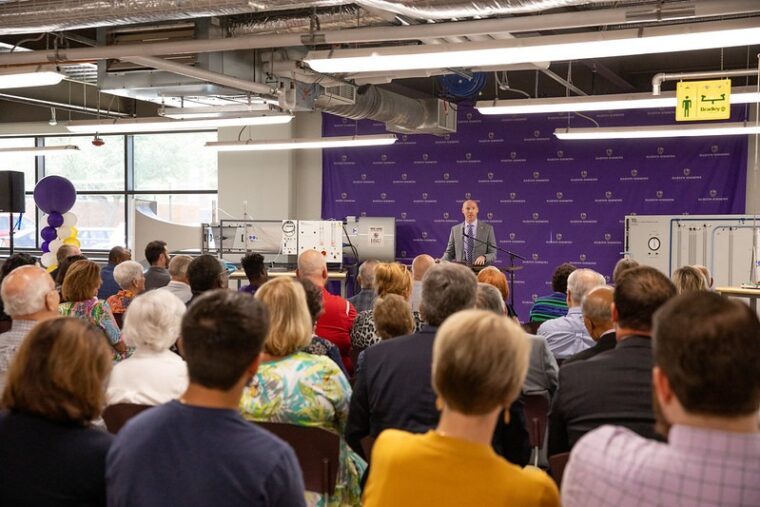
x=723 y=243
x=289 y=237
x=323 y=236
x=373 y=237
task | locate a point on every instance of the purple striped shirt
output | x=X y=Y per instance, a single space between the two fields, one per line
x=696 y=468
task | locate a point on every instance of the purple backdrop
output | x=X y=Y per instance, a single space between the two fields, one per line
x=551 y=201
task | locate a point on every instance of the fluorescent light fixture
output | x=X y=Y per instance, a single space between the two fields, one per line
x=132 y=125
x=304 y=143
x=228 y=111
x=742 y=95
x=658 y=131
x=40 y=150
x=648 y=40
x=26 y=77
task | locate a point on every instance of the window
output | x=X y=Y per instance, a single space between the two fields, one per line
x=175 y=162
x=173 y=170
x=92 y=167
x=24 y=162
x=186 y=209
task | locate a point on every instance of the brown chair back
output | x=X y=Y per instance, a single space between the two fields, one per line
x=536 y=409
x=557 y=465
x=116 y=416
x=119 y=318
x=531 y=327
x=5 y=325
x=367 y=444
x=317 y=450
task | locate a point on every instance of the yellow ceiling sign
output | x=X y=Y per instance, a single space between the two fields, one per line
x=703 y=100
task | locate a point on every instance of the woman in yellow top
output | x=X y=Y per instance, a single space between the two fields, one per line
x=479 y=364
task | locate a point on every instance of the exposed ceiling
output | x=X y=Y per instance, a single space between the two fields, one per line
x=144 y=53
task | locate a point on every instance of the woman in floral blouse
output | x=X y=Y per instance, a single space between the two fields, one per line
x=129 y=275
x=294 y=387
x=80 y=289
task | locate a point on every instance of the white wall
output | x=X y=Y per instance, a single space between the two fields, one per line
x=753 y=170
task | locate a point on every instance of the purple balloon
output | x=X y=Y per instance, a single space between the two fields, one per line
x=48 y=233
x=45 y=247
x=55 y=219
x=55 y=194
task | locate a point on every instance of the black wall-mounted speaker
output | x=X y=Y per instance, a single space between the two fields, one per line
x=12 y=192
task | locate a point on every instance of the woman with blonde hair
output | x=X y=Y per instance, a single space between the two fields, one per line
x=80 y=291
x=294 y=387
x=479 y=364
x=689 y=279
x=50 y=452
x=390 y=278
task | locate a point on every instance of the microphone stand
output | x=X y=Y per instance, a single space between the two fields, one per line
x=512 y=257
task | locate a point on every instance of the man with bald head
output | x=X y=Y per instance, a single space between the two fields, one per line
x=471 y=242
x=338 y=317
x=597 y=317
x=420 y=265
x=29 y=296
x=365 y=298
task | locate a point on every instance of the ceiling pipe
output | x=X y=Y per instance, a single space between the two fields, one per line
x=62 y=106
x=203 y=75
x=517 y=24
x=660 y=78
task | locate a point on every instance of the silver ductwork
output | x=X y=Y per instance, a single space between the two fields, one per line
x=20 y=17
x=334 y=18
x=398 y=112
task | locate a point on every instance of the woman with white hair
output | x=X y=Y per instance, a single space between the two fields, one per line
x=129 y=275
x=153 y=375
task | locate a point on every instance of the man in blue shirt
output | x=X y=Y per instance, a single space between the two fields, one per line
x=568 y=335
x=109 y=287
x=198 y=450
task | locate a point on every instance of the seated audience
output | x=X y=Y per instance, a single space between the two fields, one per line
x=707 y=274
x=63 y=252
x=366 y=281
x=689 y=279
x=14 y=261
x=392 y=389
x=542 y=367
x=338 y=316
x=116 y=256
x=707 y=395
x=129 y=276
x=554 y=305
x=198 y=450
x=157 y=256
x=621 y=266
x=479 y=363
x=614 y=387
x=568 y=335
x=80 y=289
x=393 y=317
x=493 y=276
x=420 y=265
x=294 y=387
x=179 y=284
x=154 y=374
x=30 y=297
x=597 y=317
x=205 y=273
x=319 y=346
x=50 y=454
x=63 y=268
x=390 y=278
x=255 y=271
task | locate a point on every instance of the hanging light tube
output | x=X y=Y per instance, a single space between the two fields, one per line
x=303 y=143
x=159 y=124
x=39 y=150
x=657 y=131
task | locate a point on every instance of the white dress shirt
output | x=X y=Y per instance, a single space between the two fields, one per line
x=148 y=378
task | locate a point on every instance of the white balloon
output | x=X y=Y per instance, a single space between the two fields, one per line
x=63 y=232
x=55 y=245
x=48 y=259
x=69 y=220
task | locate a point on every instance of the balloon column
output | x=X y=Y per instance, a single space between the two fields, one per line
x=55 y=196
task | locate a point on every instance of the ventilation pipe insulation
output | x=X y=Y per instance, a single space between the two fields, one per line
x=20 y=17
x=660 y=78
x=373 y=103
x=334 y=18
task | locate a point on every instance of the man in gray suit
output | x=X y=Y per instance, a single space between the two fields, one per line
x=463 y=248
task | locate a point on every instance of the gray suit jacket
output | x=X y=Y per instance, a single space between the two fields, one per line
x=455 y=248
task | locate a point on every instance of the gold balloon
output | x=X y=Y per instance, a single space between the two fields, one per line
x=74 y=232
x=72 y=241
